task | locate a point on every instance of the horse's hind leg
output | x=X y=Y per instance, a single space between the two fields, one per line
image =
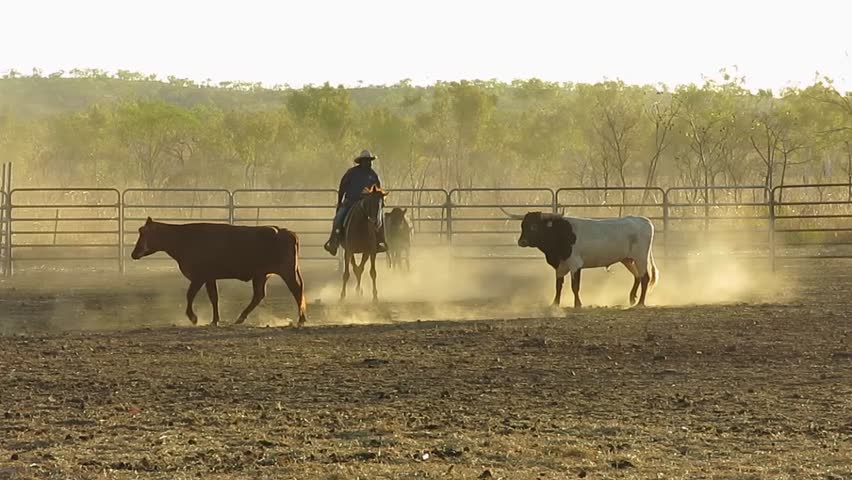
x=259 y=291
x=293 y=279
x=373 y=276
x=213 y=293
x=191 y=292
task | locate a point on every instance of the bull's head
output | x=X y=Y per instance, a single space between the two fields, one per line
x=542 y=230
x=148 y=242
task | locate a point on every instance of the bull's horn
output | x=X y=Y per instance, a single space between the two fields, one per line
x=513 y=216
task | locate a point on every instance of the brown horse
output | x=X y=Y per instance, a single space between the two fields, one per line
x=360 y=230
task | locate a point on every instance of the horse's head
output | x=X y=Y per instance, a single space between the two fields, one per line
x=373 y=197
x=149 y=240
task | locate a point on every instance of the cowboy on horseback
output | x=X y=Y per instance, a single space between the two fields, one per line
x=353 y=183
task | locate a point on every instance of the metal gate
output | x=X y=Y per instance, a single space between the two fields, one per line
x=50 y=227
x=169 y=205
x=308 y=212
x=478 y=228
x=719 y=220
x=4 y=234
x=812 y=221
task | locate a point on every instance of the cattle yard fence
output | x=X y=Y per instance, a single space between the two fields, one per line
x=95 y=228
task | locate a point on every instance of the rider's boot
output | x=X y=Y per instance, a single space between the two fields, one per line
x=333 y=242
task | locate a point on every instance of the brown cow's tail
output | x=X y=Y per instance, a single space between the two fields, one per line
x=655 y=273
x=296 y=282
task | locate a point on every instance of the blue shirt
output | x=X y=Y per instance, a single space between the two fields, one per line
x=354 y=181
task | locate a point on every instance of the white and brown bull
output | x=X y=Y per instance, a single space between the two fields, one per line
x=571 y=244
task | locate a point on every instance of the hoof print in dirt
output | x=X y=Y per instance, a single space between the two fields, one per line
x=621 y=464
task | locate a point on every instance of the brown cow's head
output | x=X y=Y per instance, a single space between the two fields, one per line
x=373 y=199
x=148 y=242
x=396 y=218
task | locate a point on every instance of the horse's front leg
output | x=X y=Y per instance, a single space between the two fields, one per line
x=346 y=259
x=373 y=276
x=359 y=271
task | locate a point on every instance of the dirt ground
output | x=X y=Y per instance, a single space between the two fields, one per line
x=102 y=377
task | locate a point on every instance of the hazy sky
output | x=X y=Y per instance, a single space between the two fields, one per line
x=774 y=43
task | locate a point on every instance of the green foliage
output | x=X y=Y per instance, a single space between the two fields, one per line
x=89 y=127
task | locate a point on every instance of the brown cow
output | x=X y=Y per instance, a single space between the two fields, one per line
x=206 y=252
x=399 y=238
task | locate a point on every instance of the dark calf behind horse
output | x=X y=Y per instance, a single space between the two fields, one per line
x=399 y=238
x=206 y=252
x=360 y=232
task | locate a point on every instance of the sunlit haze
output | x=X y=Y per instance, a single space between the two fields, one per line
x=773 y=44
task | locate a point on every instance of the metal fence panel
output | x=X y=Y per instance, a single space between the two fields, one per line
x=49 y=227
x=478 y=228
x=720 y=220
x=813 y=221
x=307 y=212
x=171 y=205
x=4 y=234
x=426 y=212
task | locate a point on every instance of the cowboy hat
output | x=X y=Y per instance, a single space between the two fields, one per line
x=365 y=155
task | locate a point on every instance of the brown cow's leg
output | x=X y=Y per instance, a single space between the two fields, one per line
x=645 y=279
x=558 y=298
x=259 y=286
x=575 y=287
x=294 y=281
x=347 y=257
x=213 y=293
x=373 y=276
x=191 y=292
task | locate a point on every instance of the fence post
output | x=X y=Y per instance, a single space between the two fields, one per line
x=666 y=224
x=121 y=265
x=772 y=229
x=9 y=232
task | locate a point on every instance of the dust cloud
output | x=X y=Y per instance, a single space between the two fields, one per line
x=438 y=287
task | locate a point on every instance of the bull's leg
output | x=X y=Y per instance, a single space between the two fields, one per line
x=373 y=276
x=631 y=266
x=558 y=298
x=294 y=281
x=213 y=293
x=575 y=287
x=645 y=279
x=407 y=261
x=258 y=284
x=191 y=292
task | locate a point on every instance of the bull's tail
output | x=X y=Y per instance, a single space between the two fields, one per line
x=654 y=272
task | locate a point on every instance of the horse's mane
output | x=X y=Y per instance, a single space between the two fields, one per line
x=373 y=189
